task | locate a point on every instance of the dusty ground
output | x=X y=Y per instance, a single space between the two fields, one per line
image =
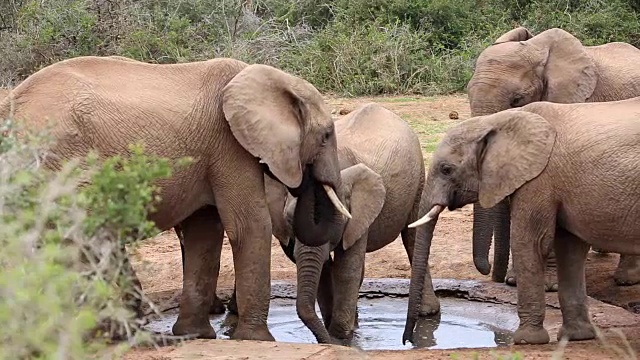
x=158 y=259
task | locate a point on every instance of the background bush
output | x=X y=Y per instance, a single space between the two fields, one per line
x=64 y=288
x=349 y=47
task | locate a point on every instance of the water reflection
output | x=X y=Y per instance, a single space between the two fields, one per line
x=382 y=323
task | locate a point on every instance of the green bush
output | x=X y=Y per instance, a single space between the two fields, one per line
x=350 y=47
x=64 y=285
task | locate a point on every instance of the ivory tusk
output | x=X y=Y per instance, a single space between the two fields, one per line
x=435 y=211
x=335 y=201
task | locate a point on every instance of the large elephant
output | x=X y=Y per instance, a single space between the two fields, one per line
x=554 y=66
x=382 y=184
x=238 y=122
x=570 y=173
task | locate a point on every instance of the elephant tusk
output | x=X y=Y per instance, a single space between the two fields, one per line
x=435 y=211
x=335 y=201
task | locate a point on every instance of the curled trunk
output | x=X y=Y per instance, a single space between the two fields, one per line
x=309 y=262
x=483 y=220
x=419 y=265
x=316 y=221
x=502 y=234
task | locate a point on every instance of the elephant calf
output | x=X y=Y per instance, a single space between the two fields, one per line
x=382 y=182
x=569 y=176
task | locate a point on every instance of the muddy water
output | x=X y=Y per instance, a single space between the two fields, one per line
x=462 y=323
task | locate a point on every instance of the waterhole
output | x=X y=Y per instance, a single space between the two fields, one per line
x=461 y=324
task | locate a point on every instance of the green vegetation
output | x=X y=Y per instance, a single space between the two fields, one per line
x=66 y=290
x=348 y=47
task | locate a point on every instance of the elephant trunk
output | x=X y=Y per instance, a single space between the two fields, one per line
x=502 y=241
x=419 y=265
x=316 y=221
x=483 y=220
x=309 y=262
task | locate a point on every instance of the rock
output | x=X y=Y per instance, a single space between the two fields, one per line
x=453 y=115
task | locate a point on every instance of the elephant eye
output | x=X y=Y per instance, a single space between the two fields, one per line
x=326 y=136
x=517 y=101
x=446 y=169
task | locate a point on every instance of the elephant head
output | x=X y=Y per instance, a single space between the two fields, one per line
x=484 y=159
x=518 y=69
x=284 y=122
x=364 y=196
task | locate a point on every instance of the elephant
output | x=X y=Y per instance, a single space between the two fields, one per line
x=569 y=173
x=382 y=181
x=237 y=121
x=520 y=68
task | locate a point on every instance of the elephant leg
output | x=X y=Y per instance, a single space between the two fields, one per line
x=246 y=219
x=347 y=273
x=233 y=302
x=217 y=307
x=550 y=274
x=202 y=234
x=533 y=225
x=628 y=271
x=571 y=255
x=430 y=304
x=325 y=293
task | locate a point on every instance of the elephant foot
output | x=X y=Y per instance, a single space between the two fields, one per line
x=217 y=307
x=550 y=279
x=200 y=328
x=255 y=332
x=577 y=330
x=341 y=333
x=430 y=306
x=628 y=271
x=531 y=335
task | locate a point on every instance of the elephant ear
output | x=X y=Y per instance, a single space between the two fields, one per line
x=365 y=194
x=518 y=34
x=569 y=72
x=266 y=115
x=513 y=148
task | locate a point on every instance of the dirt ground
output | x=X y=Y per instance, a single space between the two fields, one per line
x=157 y=260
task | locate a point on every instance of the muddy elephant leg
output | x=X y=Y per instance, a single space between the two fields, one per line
x=430 y=304
x=202 y=234
x=571 y=255
x=325 y=293
x=347 y=273
x=628 y=271
x=550 y=274
x=217 y=307
x=533 y=225
x=248 y=228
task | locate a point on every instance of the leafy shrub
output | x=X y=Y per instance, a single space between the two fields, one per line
x=356 y=47
x=64 y=283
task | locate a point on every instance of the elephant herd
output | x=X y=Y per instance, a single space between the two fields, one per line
x=550 y=160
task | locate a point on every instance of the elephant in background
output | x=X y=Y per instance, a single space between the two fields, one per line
x=520 y=68
x=570 y=173
x=238 y=122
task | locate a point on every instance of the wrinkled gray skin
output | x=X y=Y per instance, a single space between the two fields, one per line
x=382 y=181
x=379 y=154
x=554 y=66
x=236 y=120
x=570 y=173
